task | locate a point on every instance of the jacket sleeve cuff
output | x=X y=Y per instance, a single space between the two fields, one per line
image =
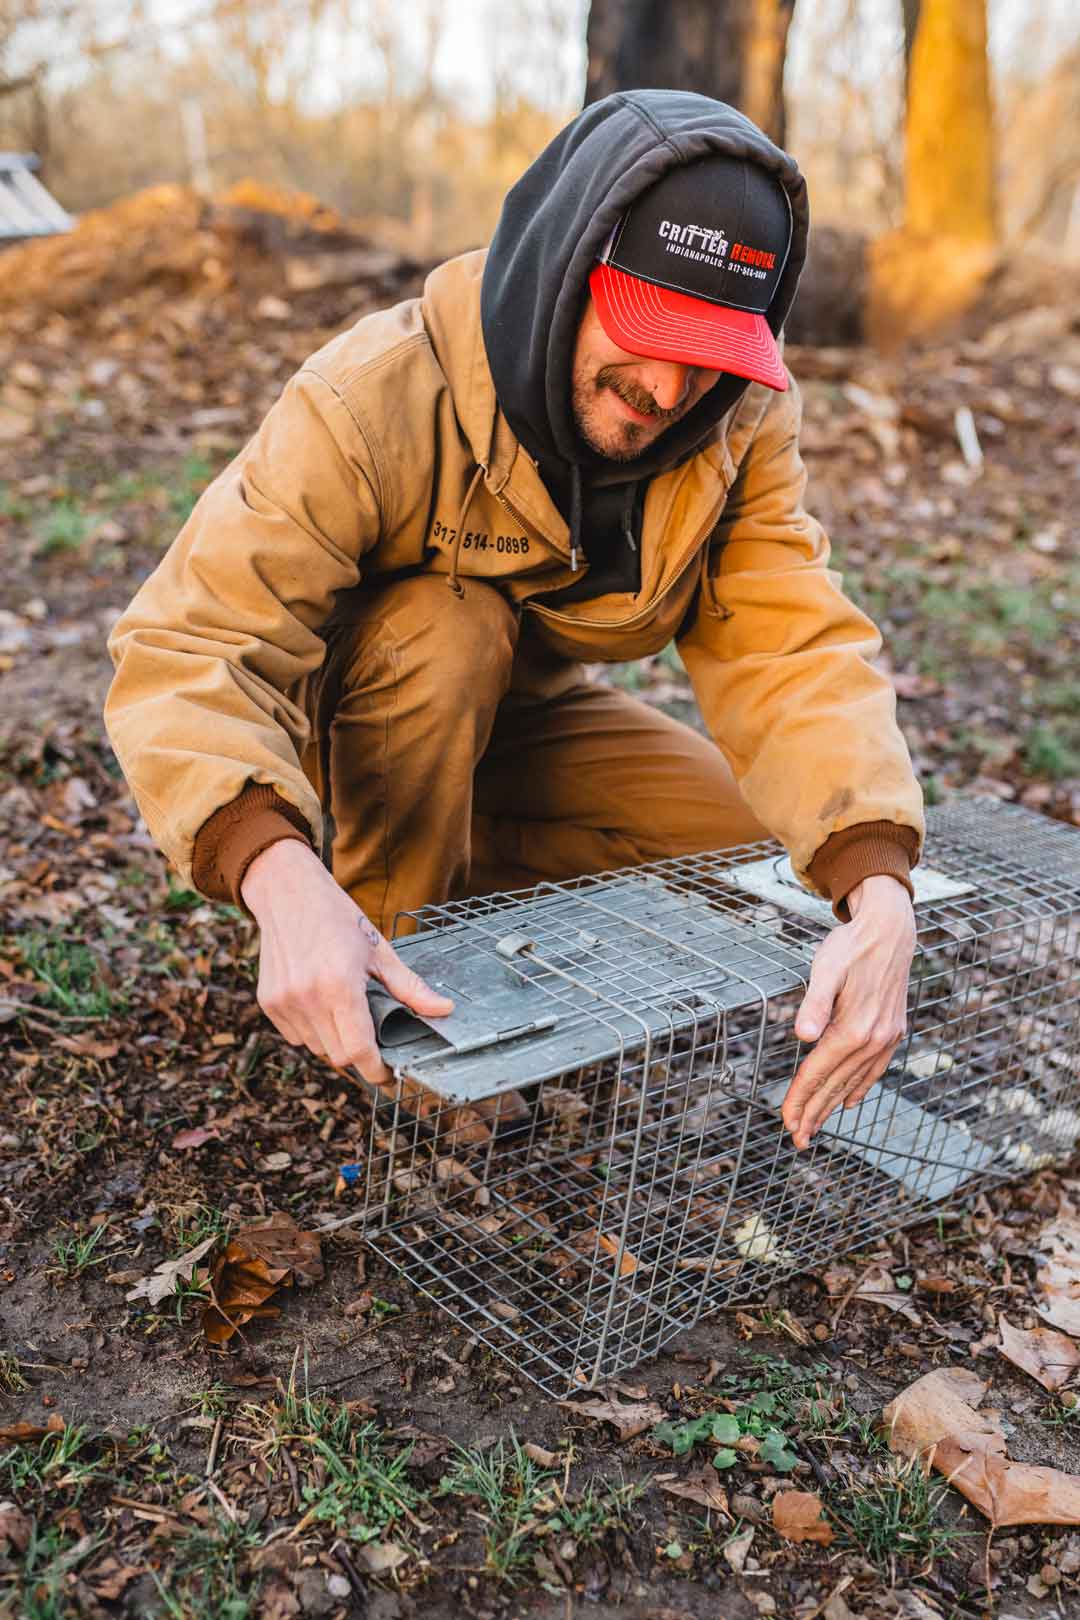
x=869 y=849
x=228 y=842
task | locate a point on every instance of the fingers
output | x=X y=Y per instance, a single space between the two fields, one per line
x=841 y=1070
x=826 y=980
x=355 y=1045
x=406 y=985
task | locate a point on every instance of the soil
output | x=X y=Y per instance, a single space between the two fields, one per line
x=127 y=1019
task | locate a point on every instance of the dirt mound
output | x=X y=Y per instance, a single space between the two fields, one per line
x=168 y=305
x=111 y=251
x=170 y=242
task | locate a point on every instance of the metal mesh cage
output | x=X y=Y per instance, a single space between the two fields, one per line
x=588 y=1154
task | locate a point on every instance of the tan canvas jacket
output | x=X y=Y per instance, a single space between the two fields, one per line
x=387 y=451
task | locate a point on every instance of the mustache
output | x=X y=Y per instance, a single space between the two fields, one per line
x=635 y=395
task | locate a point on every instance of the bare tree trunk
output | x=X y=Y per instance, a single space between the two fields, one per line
x=934 y=269
x=949 y=163
x=731 y=49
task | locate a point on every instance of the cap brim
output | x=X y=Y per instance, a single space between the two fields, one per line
x=666 y=325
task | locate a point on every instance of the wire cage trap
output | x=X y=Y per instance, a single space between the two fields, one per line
x=587 y=1154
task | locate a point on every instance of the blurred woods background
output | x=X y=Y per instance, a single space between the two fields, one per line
x=414 y=119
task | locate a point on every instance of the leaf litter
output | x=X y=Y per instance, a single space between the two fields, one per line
x=935 y=1420
x=71 y=842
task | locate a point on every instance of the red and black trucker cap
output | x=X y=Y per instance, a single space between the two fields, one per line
x=690 y=269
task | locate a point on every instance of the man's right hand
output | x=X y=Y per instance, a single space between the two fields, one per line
x=318 y=952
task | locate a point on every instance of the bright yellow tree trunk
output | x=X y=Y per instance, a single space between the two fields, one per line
x=933 y=270
x=949 y=162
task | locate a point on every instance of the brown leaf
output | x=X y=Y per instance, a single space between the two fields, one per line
x=1059 y=1278
x=239 y=1289
x=546 y=1459
x=277 y=1600
x=1050 y=1357
x=797 y=1516
x=86 y=1046
x=256 y=1263
x=935 y=1420
x=280 y=1242
x=703 y=1488
x=110 y=1577
x=629 y=1418
x=877 y=1288
x=16 y=1433
x=15 y=1527
x=163 y=1279
x=195 y=1138
x=377 y=1557
x=610 y=1245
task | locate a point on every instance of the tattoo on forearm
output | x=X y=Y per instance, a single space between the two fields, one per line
x=370 y=932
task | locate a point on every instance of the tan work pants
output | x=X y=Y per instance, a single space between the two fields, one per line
x=457 y=755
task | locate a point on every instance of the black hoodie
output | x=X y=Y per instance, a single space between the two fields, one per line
x=553 y=225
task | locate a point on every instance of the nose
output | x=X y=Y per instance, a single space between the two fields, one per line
x=668 y=381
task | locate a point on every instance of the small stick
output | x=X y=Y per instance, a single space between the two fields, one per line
x=223 y=1499
x=211 y=1456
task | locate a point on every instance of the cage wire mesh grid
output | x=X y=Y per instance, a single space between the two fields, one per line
x=587 y=1155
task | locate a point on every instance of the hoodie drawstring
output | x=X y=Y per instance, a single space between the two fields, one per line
x=575 y=513
x=452 y=577
x=628 y=515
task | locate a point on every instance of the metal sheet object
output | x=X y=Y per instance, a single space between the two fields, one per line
x=587 y=1154
x=572 y=978
x=774 y=879
x=26 y=208
x=929 y=1157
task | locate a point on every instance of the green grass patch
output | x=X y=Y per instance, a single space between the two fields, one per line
x=512 y=1491
x=1052 y=751
x=72 y=973
x=75 y=1254
x=205 y=1581
x=64 y=527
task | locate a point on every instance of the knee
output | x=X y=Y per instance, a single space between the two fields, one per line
x=439 y=645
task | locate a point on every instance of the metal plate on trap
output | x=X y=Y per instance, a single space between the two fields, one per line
x=575 y=976
x=927 y=1154
x=774 y=879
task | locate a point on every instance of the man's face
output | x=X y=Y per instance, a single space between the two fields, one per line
x=623 y=402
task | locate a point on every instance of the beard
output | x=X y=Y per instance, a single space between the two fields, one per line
x=622 y=441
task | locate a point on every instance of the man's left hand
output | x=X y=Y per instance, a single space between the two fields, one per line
x=855 y=1006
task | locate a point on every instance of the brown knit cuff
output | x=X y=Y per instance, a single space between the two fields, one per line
x=228 y=842
x=869 y=849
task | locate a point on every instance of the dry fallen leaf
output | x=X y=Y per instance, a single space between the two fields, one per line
x=280 y=1242
x=629 y=1417
x=736 y=1550
x=1050 y=1357
x=257 y=1262
x=16 y=1433
x=610 y=1246
x=1059 y=1278
x=163 y=1279
x=935 y=1420
x=377 y=1557
x=703 y=1488
x=877 y=1288
x=15 y=1527
x=110 y=1577
x=546 y=1459
x=194 y=1138
x=797 y=1516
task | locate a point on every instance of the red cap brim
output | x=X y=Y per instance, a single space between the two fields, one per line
x=666 y=325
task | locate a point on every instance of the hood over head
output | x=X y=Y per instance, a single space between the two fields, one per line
x=554 y=224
